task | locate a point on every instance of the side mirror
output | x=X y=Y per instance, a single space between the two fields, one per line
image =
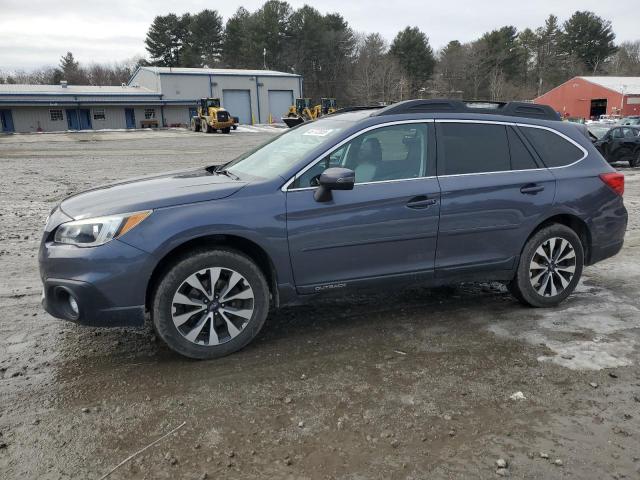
x=334 y=179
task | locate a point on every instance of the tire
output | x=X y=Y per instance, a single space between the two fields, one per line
x=195 y=126
x=226 y=130
x=534 y=269
x=204 y=127
x=635 y=160
x=183 y=316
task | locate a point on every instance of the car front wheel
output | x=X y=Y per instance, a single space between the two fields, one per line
x=210 y=303
x=550 y=267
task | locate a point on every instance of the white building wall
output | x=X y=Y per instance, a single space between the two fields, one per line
x=276 y=83
x=184 y=87
x=34 y=119
x=177 y=115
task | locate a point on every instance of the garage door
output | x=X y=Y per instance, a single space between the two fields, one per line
x=238 y=103
x=279 y=103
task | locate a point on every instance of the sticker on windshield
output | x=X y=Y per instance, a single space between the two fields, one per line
x=318 y=132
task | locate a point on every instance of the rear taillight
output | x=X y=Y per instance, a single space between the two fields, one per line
x=615 y=181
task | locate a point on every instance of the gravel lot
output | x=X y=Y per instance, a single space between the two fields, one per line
x=415 y=385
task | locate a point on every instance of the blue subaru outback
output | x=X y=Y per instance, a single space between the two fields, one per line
x=429 y=191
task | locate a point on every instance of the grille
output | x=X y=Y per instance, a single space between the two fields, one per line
x=223 y=116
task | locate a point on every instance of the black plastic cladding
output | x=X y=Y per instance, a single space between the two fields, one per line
x=513 y=109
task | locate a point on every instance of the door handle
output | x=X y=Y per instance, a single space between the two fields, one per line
x=421 y=201
x=531 y=189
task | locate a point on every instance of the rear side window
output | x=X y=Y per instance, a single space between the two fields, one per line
x=554 y=150
x=473 y=148
x=521 y=158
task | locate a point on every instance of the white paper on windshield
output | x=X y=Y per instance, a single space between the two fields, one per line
x=318 y=132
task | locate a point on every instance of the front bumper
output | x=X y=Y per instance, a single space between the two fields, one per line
x=108 y=283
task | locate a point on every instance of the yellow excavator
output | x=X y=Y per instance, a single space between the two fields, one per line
x=302 y=111
x=211 y=116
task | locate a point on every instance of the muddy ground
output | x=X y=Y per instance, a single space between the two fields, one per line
x=413 y=384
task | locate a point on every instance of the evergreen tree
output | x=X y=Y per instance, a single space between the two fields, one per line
x=411 y=48
x=589 y=38
x=162 y=42
x=70 y=69
x=236 y=41
x=205 y=38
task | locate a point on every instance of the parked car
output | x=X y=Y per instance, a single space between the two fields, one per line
x=598 y=130
x=631 y=120
x=423 y=191
x=621 y=144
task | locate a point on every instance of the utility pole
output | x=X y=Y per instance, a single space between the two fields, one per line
x=264 y=58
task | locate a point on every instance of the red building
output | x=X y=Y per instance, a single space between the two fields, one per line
x=590 y=97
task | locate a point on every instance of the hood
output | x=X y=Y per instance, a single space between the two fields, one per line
x=146 y=193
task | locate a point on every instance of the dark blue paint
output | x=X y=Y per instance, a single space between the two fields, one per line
x=6 y=121
x=474 y=227
x=130 y=117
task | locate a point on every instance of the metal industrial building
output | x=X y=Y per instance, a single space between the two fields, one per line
x=254 y=96
x=154 y=97
x=590 y=97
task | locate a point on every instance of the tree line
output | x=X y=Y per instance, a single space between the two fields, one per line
x=363 y=68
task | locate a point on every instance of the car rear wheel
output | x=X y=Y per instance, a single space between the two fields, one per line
x=550 y=267
x=210 y=303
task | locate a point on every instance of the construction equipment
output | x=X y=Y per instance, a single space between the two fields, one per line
x=302 y=111
x=211 y=117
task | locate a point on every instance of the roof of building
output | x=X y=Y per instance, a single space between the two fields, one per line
x=624 y=85
x=218 y=71
x=19 y=89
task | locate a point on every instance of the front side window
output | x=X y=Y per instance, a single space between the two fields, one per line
x=278 y=156
x=466 y=148
x=149 y=113
x=55 y=115
x=554 y=150
x=396 y=152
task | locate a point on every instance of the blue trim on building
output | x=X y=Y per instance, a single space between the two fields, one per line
x=258 y=98
x=64 y=94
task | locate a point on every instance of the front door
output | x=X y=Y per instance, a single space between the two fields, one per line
x=6 y=121
x=73 y=123
x=387 y=225
x=130 y=117
x=493 y=194
x=84 y=115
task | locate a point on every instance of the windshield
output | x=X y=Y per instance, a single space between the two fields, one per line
x=277 y=156
x=599 y=131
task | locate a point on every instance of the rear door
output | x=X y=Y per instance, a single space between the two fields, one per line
x=493 y=193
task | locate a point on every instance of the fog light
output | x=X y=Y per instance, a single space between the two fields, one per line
x=73 y=304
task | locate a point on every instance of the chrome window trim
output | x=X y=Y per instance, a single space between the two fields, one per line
x=437 y=120
x=285 y=187
x=585 y=154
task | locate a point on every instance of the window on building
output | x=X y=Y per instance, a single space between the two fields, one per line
x=56 y=115
x=473 y=148
x=554 y=150
x=98 y=114
x=149 y=113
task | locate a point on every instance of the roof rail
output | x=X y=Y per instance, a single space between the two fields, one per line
x=513 y=109
x=358 y=108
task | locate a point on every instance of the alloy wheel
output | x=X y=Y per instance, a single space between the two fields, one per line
x=552 y=267
x=212 y=306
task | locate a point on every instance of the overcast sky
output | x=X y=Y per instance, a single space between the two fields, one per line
x=35 y=33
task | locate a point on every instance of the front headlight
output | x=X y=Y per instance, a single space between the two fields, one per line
x=92 y=232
